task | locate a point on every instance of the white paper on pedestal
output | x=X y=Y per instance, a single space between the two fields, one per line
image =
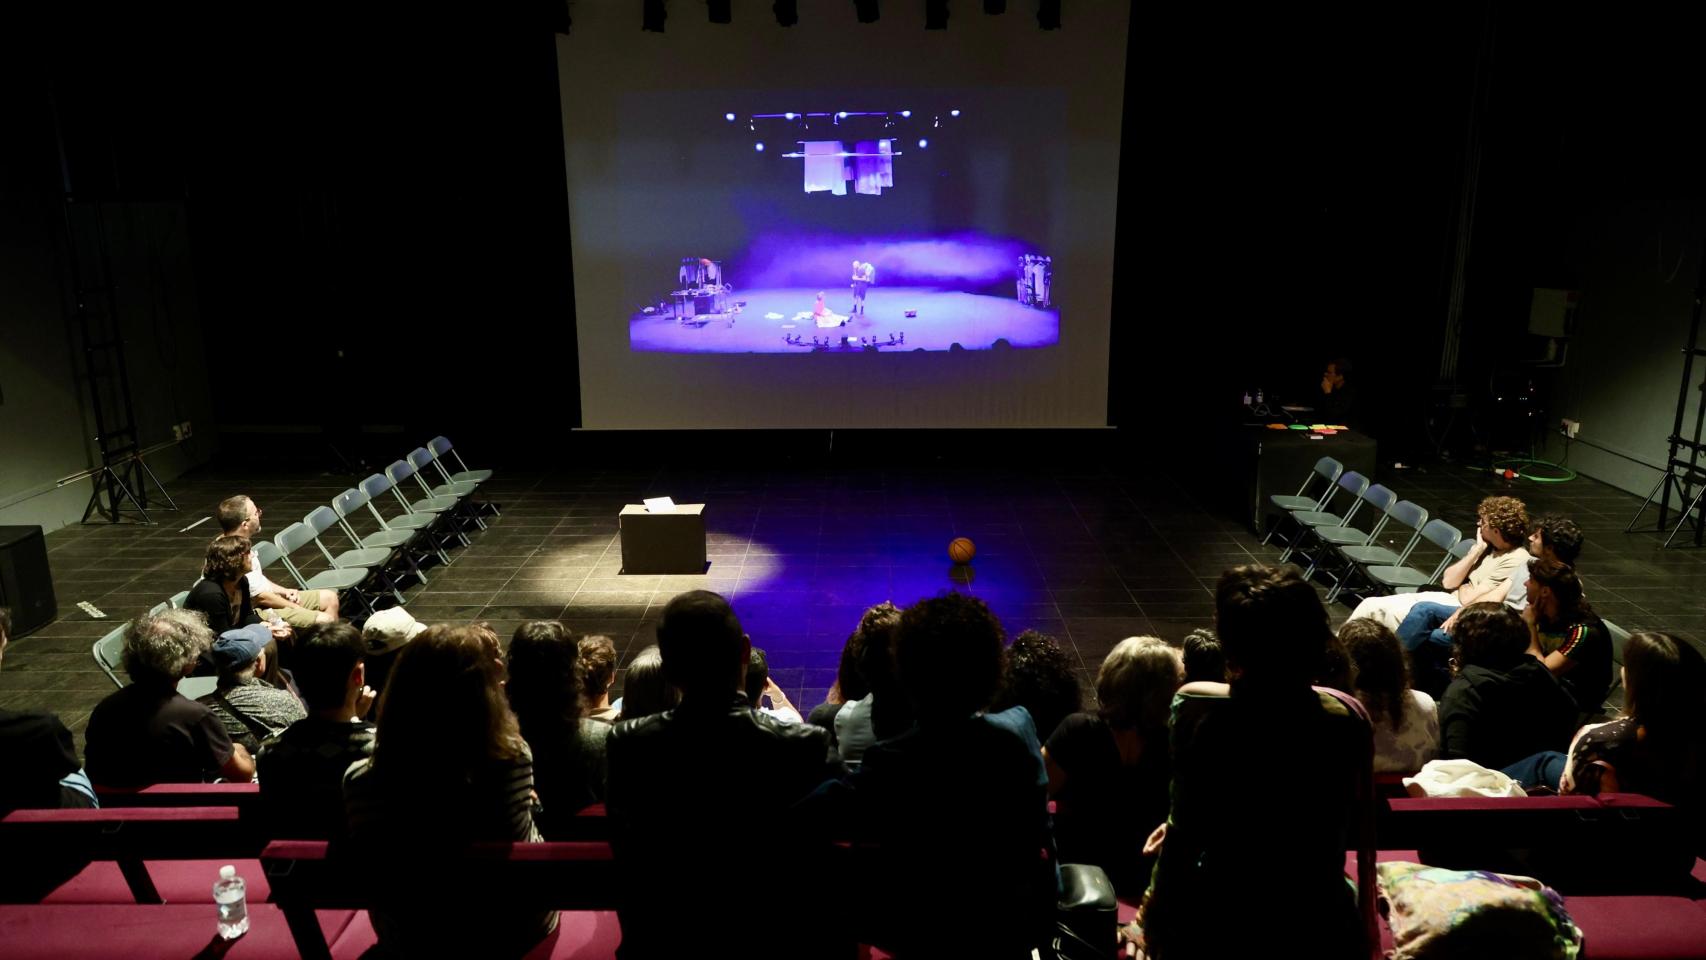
x=659 y=505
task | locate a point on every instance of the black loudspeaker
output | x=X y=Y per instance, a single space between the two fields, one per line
x=26 y=585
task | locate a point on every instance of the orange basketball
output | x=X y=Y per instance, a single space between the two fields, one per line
x=961 y=550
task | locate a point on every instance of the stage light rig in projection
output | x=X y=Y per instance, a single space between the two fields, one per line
x=830 y=165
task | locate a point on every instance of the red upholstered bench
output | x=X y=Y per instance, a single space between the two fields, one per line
x=578 y=878
x=240 y=795
x=147 y=932
x=128 y=839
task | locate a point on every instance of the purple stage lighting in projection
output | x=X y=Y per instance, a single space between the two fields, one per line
x=923 y=143
x=759 y=146
x=953 y=113
x=729 y=117
x=790 y=116
x=906 y=113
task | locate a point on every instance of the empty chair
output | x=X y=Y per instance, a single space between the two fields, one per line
x=1325 y=539
x=428 y=521
x=1326 y=468
x=441 y=446
x=401 y=470
x=108 y=652
x=1357 y=557
x=403 y=541
x=1351 y=482
x=178 y=599
x=374 y=559
x=297 y=536
x=1397 y=578
x=420 y=458
x=446 y=498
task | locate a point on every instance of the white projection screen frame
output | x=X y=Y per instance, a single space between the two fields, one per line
x=646 y=145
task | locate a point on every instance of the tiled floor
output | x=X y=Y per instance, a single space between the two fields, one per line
x=1090 y=556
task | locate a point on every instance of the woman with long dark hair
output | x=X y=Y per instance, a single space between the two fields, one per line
x=546 y=679
x=449 y=768
x=1406 y=720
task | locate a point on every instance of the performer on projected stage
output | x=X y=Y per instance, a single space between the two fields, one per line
x=863 y=275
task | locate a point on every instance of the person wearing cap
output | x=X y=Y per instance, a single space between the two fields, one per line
x=250 y=700
x=385 y=633
x=148 y=732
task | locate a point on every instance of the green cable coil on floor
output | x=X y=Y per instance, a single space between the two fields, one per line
x=1565 y=474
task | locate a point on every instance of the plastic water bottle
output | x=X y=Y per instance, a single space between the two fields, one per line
x=233 y=907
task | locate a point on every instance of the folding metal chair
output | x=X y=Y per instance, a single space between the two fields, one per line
x=1351 y=482
x=401 y=470
x=427 y=521
x=1398 y=578
x=440 y=446
x=295 y=537
x=109 y=651
x=374 y=559
x=405 y=542
x=1406 y=513
x=1326 y=468
x=178 y=599
x=1327 y=539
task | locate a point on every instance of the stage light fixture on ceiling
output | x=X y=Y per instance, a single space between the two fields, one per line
x=790 y=116
x=1048 y=14
x=718 y=10
x=906 y=113
x=866 y=10
x=729 y=117
x=787 y=12
x=923 y=143
x=953 y=113
x=759 y=146
x=935 y=14
x=652 y=16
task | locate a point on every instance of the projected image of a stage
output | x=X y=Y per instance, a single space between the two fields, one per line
x=869 y=230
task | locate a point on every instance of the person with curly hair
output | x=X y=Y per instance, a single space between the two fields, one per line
x=1406 y=720
x=1487 y=572
x=148 y=732
x=1039 y=677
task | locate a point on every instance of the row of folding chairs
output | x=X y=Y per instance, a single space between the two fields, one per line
x=422 y=527
x=1341 y=545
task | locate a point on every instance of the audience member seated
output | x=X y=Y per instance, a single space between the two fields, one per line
x=1270 y=778
x=598 y=673
x=544 y=687
x=222 y=593
x=1204 y=660
x=149 y=733
x=1567 y=635
x=302 y=769
x=238 y=516
x=1553 y=538
x=1039 y=676
x=1336 y=672
x=449 y=768
x=1406 y=721
x=883 y=712
x=383 y=635
x=1655 y=746
x=1486 y=572
x=39 y=755
x=1503 y=705
x=1108 y=769
x=250 y=699
x=690 y=786
x=848 y=687
x=646 y=690
x=760 y=687
x=951 y=816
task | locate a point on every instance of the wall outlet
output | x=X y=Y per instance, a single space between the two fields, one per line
x=1572 y=427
